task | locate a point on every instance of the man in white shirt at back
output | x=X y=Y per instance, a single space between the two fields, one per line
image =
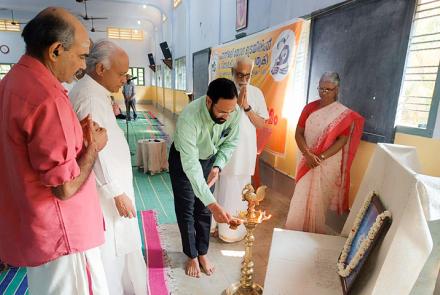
x=124 y=264
x=237 y=173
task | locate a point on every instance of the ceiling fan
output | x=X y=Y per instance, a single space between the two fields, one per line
x=93 y=30
x=13 y=21
x=86 y=16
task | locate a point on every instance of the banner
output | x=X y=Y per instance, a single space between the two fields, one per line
x=279 y=72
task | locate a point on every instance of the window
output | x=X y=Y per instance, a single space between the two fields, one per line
x=153 y=78
x=159 y=76
x=139 y=73
x=180 y=70
x=6 y=25
x=125 y=34
x=418 y=101
x=4 y=69
x=166 y=77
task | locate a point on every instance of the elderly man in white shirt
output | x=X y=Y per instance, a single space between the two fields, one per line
x=121 y=254
x=237 y=173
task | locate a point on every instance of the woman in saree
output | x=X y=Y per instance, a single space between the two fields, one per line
x=327 y=134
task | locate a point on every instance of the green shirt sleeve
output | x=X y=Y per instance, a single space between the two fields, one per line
x=226 y=149
x=189 y=157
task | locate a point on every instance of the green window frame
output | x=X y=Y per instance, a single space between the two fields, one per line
x=180 y=72
x=139 y=73
x=420 y=90
x=4 y=69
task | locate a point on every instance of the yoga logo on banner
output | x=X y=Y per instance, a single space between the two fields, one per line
x=277 y=53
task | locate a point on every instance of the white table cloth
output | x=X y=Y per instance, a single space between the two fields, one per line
x=396 y=266
x=151 y=155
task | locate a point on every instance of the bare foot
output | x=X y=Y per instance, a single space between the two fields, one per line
x=206 y=266
x=192 y=268
x=214 y=234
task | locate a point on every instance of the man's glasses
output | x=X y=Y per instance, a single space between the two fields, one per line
x=222 y=114
x=325 y=90
x=242 y=75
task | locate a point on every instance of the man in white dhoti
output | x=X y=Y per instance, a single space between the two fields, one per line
x=237 y=173
x=121 y=254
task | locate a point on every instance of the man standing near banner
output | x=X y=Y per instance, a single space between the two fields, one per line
x=237 y=173
x=206 y=135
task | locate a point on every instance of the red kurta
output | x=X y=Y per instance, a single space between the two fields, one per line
x=41 y=140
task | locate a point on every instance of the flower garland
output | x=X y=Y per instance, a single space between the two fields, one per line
x=345 y=270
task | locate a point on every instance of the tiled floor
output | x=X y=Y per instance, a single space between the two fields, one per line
x=226 y=257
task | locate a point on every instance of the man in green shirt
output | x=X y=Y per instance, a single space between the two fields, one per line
x=206 y=135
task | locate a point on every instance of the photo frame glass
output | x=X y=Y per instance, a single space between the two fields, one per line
x=375 y=208
x=241 y=14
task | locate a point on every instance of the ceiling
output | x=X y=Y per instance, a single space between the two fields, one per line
x=137 y=14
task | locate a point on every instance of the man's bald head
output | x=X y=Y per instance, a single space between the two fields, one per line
x=59 y=41
x=51 y=25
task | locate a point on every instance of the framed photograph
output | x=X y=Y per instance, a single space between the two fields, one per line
x=242 y=14
x=369 y=228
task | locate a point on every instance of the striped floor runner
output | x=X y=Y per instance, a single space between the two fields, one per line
x=142 y=129
x=154 y=253
x=13 y=281
x=152 y=192
x=151 y=118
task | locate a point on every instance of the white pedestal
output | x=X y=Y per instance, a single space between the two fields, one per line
x=303 y=263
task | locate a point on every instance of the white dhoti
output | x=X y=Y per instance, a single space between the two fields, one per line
x=78 y=273
x=121 y=254
x=228 y=193
x=124 y=264
x=127 y=273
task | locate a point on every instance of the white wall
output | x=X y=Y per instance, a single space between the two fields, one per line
x=258 y=18
x=136 y=50
x=13 y=39
x=179 y=32
x=16 y=46
x=228 y=20
x=213 y=22
x=204 y=24
x=284 y=10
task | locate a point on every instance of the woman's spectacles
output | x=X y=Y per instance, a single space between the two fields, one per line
x=325 y=90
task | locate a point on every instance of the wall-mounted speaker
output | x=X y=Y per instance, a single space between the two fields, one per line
x=151 y=59
x=165 y=50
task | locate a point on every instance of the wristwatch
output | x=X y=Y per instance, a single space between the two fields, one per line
x=248 y=109
x=219 y=169
x=322 y=156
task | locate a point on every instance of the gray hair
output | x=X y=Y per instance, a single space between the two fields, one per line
x=243 y=60
x=101 y=52
x=331 y=77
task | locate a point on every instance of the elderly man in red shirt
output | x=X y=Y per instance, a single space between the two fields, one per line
x=51 y=221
